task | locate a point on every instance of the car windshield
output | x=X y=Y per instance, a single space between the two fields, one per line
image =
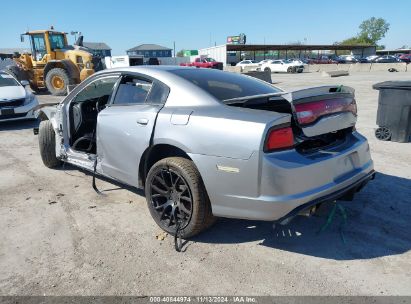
x=7 y=81
x=224 y=85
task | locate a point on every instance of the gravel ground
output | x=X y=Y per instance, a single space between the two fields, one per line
x=58 y=237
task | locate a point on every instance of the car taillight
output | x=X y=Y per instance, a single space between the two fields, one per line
x=279 y=139
x=309 y=112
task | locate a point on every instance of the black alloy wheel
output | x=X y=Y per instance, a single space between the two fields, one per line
x=383 y=133
x=171 y=198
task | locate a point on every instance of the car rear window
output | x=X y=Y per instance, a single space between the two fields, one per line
x=7 y=81
x=225 y=85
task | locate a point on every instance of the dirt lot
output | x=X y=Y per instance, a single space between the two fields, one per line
x=58 y=237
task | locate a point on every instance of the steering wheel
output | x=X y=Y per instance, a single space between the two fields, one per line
x=100 y=104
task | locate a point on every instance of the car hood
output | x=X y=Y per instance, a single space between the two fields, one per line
x=12 y=92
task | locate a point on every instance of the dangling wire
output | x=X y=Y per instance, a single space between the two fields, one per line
x=178 y=241
x=94 y=178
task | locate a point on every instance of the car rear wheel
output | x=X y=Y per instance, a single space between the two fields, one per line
x=47 y=144
x=175 y=193
x=383 y=133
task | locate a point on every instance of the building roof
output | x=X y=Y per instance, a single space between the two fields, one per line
x=149 y=47
x=11 y=51
x=280 y=47
x=96 y=45
x=394 y=50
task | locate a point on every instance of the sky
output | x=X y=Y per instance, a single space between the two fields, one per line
x=123 y=24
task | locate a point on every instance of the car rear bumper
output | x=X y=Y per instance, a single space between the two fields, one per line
x=346 y=194
x=275 y=186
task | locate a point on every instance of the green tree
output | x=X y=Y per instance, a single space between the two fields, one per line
x=355 y=41
x=180 y=53
x=373 y=29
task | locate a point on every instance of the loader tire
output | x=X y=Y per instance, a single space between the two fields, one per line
x=35 y=88
x=47 y=144
x=57 y=81
x=175 y=192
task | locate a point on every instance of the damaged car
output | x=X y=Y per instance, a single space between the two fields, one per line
x=205 y=143
x=16 y=102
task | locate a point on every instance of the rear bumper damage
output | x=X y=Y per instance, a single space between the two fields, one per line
x=345 y=194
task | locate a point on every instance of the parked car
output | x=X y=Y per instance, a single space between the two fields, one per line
x=206 y=143
x=278 y=66
x=405 y=58
x=16 y=102
x=204 y=62
x=153 y=61
x=349 y=58
x=386 y=59
x=372 y=58
x=340 y=60
x=321 y=60
x=297 y=61
x=248 y=63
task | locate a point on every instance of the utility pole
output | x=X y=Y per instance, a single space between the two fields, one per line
x=174 y=43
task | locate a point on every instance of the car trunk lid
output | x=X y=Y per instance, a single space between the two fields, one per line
x=323 y=110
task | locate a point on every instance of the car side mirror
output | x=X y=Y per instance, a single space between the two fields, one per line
x=24 y=83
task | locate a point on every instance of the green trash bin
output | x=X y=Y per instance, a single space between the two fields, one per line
x=394 y=111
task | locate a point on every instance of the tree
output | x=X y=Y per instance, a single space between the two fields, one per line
x=355 y=41
x=373 y=29
x=180 y=53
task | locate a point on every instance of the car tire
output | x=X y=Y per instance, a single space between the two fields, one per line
x=165 y=201
x=289 y=70
x=267 y=70
x=47 y=144
x=57 y=81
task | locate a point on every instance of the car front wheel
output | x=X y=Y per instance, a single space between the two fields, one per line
x=47 y=144
x=176 y=196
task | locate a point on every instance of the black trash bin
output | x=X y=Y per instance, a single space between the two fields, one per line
x=394 y=111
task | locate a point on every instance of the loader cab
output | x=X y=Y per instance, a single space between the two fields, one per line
x=46 y=42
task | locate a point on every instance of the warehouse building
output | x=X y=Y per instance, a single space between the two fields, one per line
x=98 y=48
x=10 y=52
x=150 y=51
x=230 y=54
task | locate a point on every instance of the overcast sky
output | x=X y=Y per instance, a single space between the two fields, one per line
x=123 y=24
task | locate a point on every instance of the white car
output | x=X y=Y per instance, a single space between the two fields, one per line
x=248 y=63
x=16 y=102
x=284 y=66
x=297 y=62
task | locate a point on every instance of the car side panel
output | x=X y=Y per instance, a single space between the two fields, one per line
x=220 y=131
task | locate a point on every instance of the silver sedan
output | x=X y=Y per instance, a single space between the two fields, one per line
x=205 y=143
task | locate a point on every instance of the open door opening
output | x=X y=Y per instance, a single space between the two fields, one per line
x=83 y=112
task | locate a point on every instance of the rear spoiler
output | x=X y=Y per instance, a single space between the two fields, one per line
x=318 y=91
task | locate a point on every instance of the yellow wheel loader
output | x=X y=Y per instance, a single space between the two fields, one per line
x=53 y=64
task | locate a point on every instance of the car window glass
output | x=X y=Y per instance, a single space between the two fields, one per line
x=132 y=91
x=158 y=93
x=7 y=81
x=223 y=85
x=97 y=89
